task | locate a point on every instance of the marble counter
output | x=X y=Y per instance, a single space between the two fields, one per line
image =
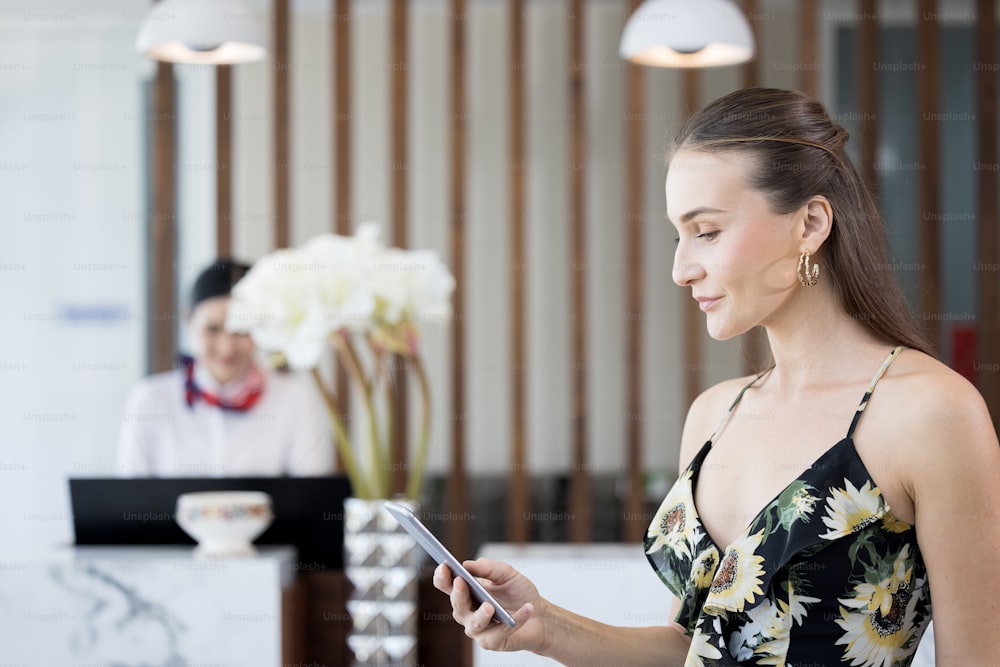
x=141 y=606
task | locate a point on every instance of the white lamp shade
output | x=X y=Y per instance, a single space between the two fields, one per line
x=214 y=32
x=687 y=33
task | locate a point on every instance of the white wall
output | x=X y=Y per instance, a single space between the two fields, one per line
x=71 y=268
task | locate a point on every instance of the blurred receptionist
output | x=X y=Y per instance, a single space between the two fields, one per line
x=221 y=414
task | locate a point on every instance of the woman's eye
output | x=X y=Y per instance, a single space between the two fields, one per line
x=708 y=236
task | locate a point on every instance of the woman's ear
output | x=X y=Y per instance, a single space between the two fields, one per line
x=817 y=223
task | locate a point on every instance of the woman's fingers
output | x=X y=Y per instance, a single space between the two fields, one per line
x=495 y=636
x=442 y=578
x=484 y=568
x=480 y=620
x=477 y=619
x=461 y=600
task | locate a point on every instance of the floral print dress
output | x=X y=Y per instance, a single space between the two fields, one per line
x=823 y=575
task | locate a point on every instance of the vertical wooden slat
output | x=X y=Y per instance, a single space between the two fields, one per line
x=458 y=491
x=163 y=235
x=400 y=168
x=341 y=29
x=868 y=90
x=752 y=342
x=580 y=495
x=988 y=331
x=693 y=321
x=342 y=116
x=223 y=161
x=517 y=499
x=635 y=153
x=929 y=174
x=749 y=70
x=808 y=48
x=282 y=164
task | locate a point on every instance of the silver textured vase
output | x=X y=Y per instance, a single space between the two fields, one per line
x=382 y=562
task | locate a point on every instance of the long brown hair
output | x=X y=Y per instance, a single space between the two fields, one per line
x=799 y=152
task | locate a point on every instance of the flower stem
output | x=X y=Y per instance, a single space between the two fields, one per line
x=353 y=364
x=415 y=477
x=383 y=375
x=358 y=482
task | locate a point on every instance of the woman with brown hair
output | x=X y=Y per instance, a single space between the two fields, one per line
x=813 y=529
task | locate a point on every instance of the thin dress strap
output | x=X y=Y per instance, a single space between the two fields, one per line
x=729 y=412
x=871 y=388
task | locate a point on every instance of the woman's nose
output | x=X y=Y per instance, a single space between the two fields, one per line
x=685 y=270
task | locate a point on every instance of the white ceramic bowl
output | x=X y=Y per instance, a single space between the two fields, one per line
x=224 y=523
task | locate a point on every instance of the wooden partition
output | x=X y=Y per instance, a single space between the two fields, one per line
x=752 y=342
x=340 y=34
x=518 y=501
x=398 y=218
x=163 y=309
x=808 y=49
x=223 y=159
x=520 y=520
x=867 y=77
x=635 y=94
x=281 y=129
x=693 y=322
x=580 y=490
x=636 y=131
x=457 y=494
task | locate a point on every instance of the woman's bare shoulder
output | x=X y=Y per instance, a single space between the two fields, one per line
x=706 y=413
x=933 y=387
x=937 y=405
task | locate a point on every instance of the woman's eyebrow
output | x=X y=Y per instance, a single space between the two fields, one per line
x=695 y=212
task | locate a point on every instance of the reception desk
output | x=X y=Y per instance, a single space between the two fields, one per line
x=136 y=606
x=91 y=606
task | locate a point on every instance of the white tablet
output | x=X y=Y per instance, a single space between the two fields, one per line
x=437 y=551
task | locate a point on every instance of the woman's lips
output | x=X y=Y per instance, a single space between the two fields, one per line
x=706 y=303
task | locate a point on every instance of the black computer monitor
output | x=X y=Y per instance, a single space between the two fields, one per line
x=308 y=512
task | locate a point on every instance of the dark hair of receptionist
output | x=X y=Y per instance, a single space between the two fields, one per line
x=217 y=279
x=799 y=152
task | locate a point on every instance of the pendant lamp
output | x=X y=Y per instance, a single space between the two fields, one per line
x=687 y=33
x=212 y=32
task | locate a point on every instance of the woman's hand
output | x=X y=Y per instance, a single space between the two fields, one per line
x=511 y=589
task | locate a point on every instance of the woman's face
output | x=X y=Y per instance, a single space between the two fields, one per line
x=226 y=355
x=737 y=255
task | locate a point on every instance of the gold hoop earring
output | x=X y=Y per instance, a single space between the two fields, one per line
x=808 y=274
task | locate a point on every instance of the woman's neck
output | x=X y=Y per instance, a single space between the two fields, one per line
x=207 y=379
x=814 y=342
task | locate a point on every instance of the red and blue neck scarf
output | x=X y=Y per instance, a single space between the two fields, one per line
x=246 y=394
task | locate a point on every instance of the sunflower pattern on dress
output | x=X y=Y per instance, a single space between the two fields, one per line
x=823 y=575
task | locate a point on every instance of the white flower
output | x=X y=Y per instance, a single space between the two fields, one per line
x=349 y=290
x=803 y=503
x=279 y=302
x=850 y=509
x=797 y=604
x=738 y=577
x=675 y=525
x=293 y=299
x=411 y=284
x=701 y=648
x=343 y=276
